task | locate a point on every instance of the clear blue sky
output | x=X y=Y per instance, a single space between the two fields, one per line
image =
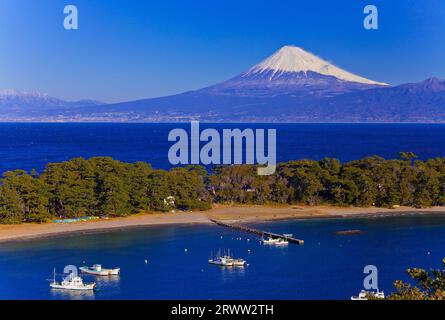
x=130 y=49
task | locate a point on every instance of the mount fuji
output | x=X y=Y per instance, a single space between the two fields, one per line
x=292 y=85
x=290 y=70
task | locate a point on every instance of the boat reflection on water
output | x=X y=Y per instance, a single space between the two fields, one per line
x=72 y=295
x=110 y=285
x=108 y=282
x=233 y=271
x=229 y=275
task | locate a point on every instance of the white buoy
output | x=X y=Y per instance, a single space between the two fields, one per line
x=429 y=253
x=186 y=250
x=146 y=261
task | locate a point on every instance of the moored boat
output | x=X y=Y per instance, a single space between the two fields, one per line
x=281 y=243
x=269 y=240
x=227 y=260
x=98 y=270
x=72 y=282
x=363 y=295
x=221 y=261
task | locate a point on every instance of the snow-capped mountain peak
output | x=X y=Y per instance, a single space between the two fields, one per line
x=296 y=60
x=17 y=93
x=18 y=104
x=9 y=92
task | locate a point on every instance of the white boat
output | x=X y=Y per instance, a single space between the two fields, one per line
x=97 y=270
x=269 y=240
x=227 y=261
x=72 y=283
x=363 y=295
x=281 y=243
x=221 y=261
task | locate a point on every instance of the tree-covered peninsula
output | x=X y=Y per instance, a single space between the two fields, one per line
x=103 y=186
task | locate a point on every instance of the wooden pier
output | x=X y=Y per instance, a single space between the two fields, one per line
x=258 y=232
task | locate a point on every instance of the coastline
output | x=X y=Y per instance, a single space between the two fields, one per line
x=238 y=214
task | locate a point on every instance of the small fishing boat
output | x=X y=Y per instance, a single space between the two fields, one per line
x=221 y=261
x=363 y=295
x=97 y=270
x=71 y=283
x=281 y=243
x=269 y=240
x=227 y=260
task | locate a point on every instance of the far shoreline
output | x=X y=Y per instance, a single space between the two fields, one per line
x=235 y=214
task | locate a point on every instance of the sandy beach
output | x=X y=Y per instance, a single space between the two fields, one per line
x=241 y=214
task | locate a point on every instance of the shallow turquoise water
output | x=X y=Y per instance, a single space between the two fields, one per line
x=326 y=267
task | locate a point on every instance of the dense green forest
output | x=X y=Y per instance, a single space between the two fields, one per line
x=103 y=186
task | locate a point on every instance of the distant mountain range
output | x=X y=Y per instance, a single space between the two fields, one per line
x=15 y=103
x=292 y=85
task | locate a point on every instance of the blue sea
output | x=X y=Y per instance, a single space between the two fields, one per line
x=33 y=145
x=328 y=266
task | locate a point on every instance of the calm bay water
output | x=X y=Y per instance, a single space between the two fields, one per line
x=326 y=267
x=32 y=146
